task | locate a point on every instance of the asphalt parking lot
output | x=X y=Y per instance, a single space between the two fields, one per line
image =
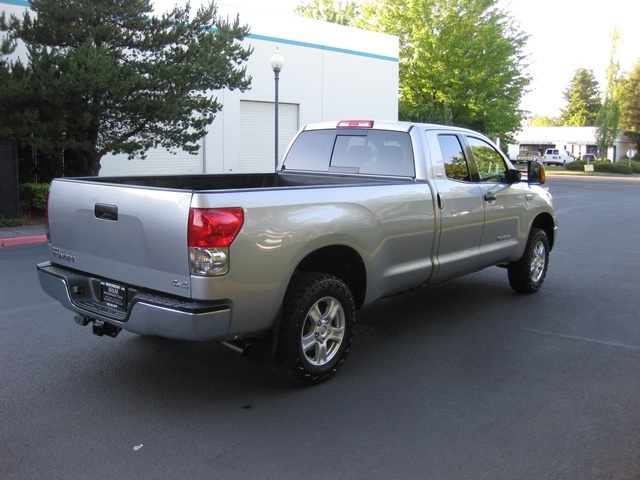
x=462 y=380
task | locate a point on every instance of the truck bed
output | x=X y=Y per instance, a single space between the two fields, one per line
x=244 y=181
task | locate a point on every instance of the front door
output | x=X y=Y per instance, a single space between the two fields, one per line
x=503 y=205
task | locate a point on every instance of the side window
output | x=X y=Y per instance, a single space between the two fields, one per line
x=491 y=165
x=455 y=164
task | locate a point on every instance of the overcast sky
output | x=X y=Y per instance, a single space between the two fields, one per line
x=564 y=35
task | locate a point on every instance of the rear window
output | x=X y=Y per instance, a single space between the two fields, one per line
x=371 y=152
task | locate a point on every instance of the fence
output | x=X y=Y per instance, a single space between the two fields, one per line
x=9 y=181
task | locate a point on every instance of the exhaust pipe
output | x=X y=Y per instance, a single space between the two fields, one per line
x=239 y=346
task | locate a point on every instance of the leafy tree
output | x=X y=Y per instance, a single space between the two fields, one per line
x=543 y=122
x=583 y=100
x=461 y=61
x=608 y=119
x=630 y=119
x=342 y=12
x=109 y=76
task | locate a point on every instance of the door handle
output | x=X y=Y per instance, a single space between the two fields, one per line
x=490 y=197
x=106 y=212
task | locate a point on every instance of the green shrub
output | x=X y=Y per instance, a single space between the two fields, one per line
x=577 y=166
x=605 y=167
x=635 y=164
x=34 y=195
x=624 y=168
x=11 y=222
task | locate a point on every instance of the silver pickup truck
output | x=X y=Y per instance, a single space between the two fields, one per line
x=279 y=263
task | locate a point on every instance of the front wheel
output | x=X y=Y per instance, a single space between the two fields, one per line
x=316 y=328
x=527 y=274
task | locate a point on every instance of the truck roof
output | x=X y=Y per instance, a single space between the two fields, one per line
x=381 y=125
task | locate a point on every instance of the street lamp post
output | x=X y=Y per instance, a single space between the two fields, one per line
x=630 y=154
x=277 y=61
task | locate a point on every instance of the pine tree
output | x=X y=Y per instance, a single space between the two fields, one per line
x=583 y=100
x=109 y=76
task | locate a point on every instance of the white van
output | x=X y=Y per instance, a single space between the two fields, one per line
x=555 y=156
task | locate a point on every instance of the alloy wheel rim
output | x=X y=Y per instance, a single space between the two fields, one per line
x=538 y=262
x=323 y=331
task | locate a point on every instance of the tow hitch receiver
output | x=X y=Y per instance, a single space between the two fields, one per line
x=101 y=328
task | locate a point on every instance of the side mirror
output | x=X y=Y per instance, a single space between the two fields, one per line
x=513 y=176
x=535 y=173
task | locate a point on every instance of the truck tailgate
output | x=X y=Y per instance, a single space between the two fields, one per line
x=128 y=234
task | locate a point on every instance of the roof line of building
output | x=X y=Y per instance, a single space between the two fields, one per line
x=26 y=3
x=321 y=47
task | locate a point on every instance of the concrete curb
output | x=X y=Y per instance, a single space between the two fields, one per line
x=10 y=242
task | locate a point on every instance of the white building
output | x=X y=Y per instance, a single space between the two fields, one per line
x=331 y=72
x=576 y=140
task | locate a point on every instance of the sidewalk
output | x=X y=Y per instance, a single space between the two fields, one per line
x=10 y=236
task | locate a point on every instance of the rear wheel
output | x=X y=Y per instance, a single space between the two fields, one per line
x=527 y=274
x=316 y=328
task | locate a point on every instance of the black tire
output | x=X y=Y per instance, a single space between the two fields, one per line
x=527 y=274
x=316 y=328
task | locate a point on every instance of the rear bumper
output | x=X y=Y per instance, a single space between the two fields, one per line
x=146 y=314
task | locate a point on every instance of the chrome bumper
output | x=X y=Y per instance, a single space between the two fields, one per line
x=146 y=314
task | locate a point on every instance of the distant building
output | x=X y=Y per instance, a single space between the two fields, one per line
x=576 y=140
x=331 y=72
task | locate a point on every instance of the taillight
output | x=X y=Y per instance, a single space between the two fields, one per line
x=211 y=232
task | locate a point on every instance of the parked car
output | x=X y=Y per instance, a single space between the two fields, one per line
x=525 y=157
x=589 y=157
x=555 y=156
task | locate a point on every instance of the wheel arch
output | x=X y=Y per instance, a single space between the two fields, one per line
x=341 y=261
x=546 y=223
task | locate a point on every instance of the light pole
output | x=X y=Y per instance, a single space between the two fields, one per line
x=630 y=154
x=277 y=61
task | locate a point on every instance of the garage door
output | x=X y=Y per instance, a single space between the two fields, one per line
x=257 y=134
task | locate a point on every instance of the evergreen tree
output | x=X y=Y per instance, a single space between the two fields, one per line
x=583 y=100
x=630 y=119
x=109 y=76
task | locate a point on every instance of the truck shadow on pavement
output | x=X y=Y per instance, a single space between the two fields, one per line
x=389 y=334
